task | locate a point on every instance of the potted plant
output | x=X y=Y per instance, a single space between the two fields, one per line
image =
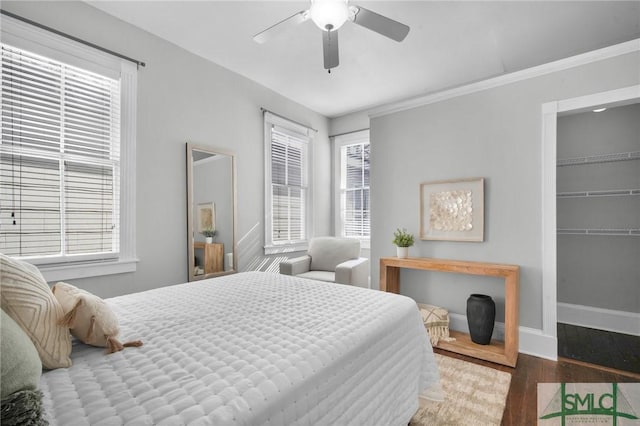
x=403 y=240
x=209 y=233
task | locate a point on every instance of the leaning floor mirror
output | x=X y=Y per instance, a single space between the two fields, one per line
x=211 y=212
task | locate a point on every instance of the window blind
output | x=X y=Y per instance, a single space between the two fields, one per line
x=289 y=190
x=355 y=189
x=59 y=159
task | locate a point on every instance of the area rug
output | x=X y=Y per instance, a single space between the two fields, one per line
x=474 y=395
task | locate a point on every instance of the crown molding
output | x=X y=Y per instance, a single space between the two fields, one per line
x=504 y=79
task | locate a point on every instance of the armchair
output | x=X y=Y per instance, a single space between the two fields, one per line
x=330 y=259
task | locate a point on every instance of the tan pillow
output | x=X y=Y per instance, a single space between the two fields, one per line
x=436 y=321
x=89 y=317
x=27 y=299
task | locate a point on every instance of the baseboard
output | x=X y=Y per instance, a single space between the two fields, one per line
x=602 y=319
x=534 y=342
x=531 y=341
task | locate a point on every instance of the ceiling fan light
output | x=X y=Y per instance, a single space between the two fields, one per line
x=329 y=14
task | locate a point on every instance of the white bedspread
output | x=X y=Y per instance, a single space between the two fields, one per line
x=251 y=348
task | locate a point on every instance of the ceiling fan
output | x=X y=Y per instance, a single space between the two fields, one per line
x=329 y=15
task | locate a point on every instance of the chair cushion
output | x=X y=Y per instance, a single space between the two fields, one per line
x=27 y=298
x=328 y=252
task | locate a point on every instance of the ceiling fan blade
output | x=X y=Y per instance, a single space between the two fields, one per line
x=380 y=24
x=330 y=49
x=281 y=27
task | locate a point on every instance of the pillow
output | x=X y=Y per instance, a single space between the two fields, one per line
x=89 y=317
x=436 y=321
x=20 y=362
x=27 y=299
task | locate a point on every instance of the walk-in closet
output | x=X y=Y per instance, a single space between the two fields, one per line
x=598 y=241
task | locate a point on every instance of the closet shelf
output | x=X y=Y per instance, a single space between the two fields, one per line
x=604 y=193
x=634 y=232
x=603 y=158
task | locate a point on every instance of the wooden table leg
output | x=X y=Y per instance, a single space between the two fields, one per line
x=390 y=279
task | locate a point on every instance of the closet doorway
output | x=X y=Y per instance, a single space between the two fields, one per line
x=554 y=308
x=598 y=236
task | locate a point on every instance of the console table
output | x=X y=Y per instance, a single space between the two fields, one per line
x=213 y=256
x=499 y=352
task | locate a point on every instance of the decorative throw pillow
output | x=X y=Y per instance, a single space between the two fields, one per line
x=436 y=321
x=89 y=317
x=27 y=299
x=20 y=362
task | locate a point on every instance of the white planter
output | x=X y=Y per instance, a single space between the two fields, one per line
x=209 y=240
x=402 y=252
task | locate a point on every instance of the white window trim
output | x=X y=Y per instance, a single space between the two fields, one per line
x=360 y=136
x=42 y=42
x=270 y=248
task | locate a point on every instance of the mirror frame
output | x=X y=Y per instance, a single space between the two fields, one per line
x=190 y=210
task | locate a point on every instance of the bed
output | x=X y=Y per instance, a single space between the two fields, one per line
x=251 y=348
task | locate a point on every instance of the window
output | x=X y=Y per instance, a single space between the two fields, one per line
x=352 y=185
x=61 y=170
x=287 y=200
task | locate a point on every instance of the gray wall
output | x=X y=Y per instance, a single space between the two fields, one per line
x=349 y=123
x=182 y=97
x=495 y=134
x=599 y=271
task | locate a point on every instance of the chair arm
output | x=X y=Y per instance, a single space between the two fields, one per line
x=354 y=272
x=295 y=265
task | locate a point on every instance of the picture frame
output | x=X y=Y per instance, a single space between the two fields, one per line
x=452 y=210
x=206 y=216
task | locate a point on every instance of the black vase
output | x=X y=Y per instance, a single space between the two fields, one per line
x=481 y=316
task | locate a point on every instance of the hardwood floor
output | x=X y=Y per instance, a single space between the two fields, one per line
x=606 y=348
x=521 y=407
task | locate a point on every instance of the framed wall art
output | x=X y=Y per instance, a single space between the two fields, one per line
x=206 y=217
x=452 y=210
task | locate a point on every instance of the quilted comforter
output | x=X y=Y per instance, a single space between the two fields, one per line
x=252 y=348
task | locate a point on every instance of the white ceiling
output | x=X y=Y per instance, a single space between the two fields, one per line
x=450 y=43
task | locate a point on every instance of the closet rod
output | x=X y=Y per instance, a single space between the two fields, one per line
x=76 y=39
x=625 y=232
x=602 y=158
x=599 y=193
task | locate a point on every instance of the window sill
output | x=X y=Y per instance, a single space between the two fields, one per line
x=289 y=248
x=365 y=244
x=87 y=270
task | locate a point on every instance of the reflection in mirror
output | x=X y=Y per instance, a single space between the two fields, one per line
x=211 y=201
